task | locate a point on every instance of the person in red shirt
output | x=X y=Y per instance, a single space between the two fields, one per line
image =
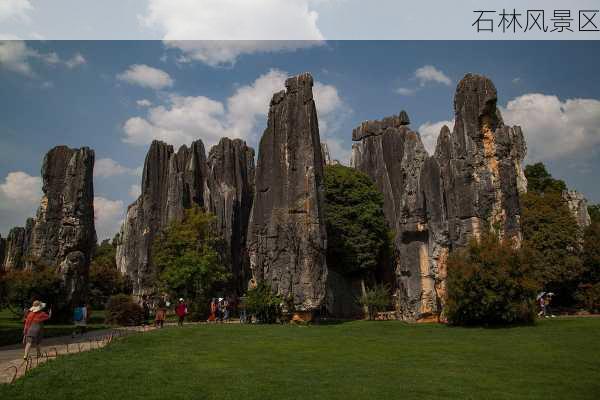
x=181 y=311
x=32 y=329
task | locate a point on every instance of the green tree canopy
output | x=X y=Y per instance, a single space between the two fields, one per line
x=539 y=180
x=594 y=211
x=105 y=279
x=186 y=258
x=357 y=234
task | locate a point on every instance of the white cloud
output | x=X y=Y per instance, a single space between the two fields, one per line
x=143 y=103
x=429 y=73
x=107 y=167
x=135 y=191
x=430 y=131
x=249 y=26
x=108 y=215
x=554 y=128
x=75 y=61
x=20 y=195
x=146 y=76
x=184 y=119
x=15 y=56
x=15 y=9
x=405 y=91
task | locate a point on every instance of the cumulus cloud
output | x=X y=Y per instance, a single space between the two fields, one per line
x=135 y=191
x=143 y=103
x=15 y=9
x=405 y=91
x=146 y=76
x=107 y=167
x=108 y=215
x=248 y=26
x=429 y=73
x=430 y=131
x=554 y=128
x=20 y=195
x=15 y=56
x=184 y=119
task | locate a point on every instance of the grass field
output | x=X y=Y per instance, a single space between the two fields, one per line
x=11 y=327
x=556 y=359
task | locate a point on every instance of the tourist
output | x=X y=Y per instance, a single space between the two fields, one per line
x=548 y=310
x=242 y=308
x=226 y=306
x=541 y=298
x=161 y=315
x=32 y=330
x=181 y=311
x=213 y=310
x=80 y=317
x=146 y=308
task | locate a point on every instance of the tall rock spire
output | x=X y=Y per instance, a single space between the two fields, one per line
x=286 y=236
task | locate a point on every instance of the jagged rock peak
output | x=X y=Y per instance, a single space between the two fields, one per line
x=578 y=206
x=475 y=102
x=325 y=154
x=286 y=234
x=403 y=117
x=379 y=127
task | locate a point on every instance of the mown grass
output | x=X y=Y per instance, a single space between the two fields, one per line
x=11 y=327
x=557 y=359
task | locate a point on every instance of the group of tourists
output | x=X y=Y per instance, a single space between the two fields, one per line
x=544 y=299
x=220 y=309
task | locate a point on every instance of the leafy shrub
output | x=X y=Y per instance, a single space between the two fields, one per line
x=105 y=280
x=264 y=304
x=375 y=299
x=122 y=310
x=490 y=283
x=588 y=297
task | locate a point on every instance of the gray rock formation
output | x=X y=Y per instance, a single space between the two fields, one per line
x=63 y=235
x=171 y=182
x=231 y=187
x=578 y=207
x=286 y=236
x=16 y=247
x=2 y=248
x=437 y=203
x=325 y=154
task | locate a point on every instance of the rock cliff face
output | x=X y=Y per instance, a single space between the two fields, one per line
x=286 y=236
x=63 y=234
x=435 y=204
x=578 y=207
x=231 y=188
x=16 y=247
x=171 y=182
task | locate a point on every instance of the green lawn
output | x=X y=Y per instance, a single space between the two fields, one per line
x=556 y=359
x=11 y=327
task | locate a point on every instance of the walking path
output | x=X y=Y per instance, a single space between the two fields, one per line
x=13 y=366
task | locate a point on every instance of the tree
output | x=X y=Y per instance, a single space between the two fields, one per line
x=490 y=283
x=539 y=180
x=265 y=305
x=588 y=293
x=375 y=299
x=552 y=235
x=24 y=286
x=358 y=237
x=105 y=279
x=186 y=259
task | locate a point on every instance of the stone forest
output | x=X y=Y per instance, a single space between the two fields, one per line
x=270 y=212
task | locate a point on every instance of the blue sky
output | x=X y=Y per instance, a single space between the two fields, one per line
x=115 y=96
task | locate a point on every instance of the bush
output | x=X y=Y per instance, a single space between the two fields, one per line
x=264 y=304
x=588 y=297
x=375 y=299
x=122 y=310
x=105 y=280
x=490 y=283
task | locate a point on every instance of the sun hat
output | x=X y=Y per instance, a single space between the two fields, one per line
x=181 y=299
x=37 y=306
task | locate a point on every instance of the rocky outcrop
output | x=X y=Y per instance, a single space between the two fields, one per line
x=171 y=182
x=16 y=247
x=435 y=204
x=231 y=187
x=578 y=207
x=286 y=236
x=2 y=248
x=63 y=234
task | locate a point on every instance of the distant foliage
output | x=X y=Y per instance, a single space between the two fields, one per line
x=588 y=293
x=23 y=287
x=358 y=237
x=122 y=310
x=375 y=299
x=539 y=180
x=105 y=280
x=263 y=304
x=552 y=235
x=186 y=258
x=490 y=283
